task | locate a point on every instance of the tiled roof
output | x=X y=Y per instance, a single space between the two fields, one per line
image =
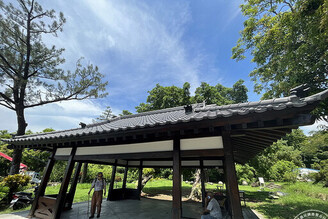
x=177 y=115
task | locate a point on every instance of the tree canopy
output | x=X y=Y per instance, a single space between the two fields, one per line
x=288 y=41
x=30 y=71
x=171 y=96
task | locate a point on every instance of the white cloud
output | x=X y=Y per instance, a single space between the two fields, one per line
x=61 y=115
x=135 y=44
x=131 y=40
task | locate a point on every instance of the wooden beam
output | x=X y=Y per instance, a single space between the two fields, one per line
x=44 y=182
x=263 y=135
x=61 y=198
x=140 y=179
x=177 y=206
x=202 y=179
x=112 y=181
x=72 y=190
x=230 y=172
x=203 y=153
x=144 y=155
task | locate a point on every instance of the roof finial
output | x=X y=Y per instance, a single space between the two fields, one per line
x=83 y=125
x=188 y=108
x=300 y=91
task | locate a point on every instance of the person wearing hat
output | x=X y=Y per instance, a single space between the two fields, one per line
x=99 y=184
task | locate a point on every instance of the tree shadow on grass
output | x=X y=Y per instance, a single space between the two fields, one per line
x=277 y=210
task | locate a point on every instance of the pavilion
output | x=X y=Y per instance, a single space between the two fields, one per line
x=197 y=135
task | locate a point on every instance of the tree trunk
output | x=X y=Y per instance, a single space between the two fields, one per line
x=84 y=172
x=17 y=155
x=144 y=181
x=195 y=190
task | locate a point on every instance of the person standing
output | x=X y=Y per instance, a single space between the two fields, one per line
x=212 y=210
x=99 y=184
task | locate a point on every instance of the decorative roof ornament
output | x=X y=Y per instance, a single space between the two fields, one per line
x=300 y=91
x=83 y=125
x=188 y=108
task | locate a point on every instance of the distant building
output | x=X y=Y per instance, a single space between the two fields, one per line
x=303 y=173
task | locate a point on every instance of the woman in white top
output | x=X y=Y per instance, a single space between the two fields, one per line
x=99 y=184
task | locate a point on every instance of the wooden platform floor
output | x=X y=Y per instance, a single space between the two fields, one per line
x=146 y=208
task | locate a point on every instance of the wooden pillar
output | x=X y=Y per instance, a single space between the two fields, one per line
x=44 y=182
x=124 y=180
x=61 y=198
x=112 y=181
x=177 y=206
x=231 y=177
x=125 y=177
x=140 y=179
x=202 y=179
x=71 y=193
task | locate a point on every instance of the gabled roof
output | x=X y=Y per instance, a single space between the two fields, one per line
x=176 y=115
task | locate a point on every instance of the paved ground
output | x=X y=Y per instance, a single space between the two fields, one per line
x=146 y=208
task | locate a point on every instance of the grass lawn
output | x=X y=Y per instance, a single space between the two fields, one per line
x=300 y=196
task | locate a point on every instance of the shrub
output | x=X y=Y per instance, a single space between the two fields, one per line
x=245 y=173
x=322 y=176
x=290 y=176
x=15 y=183
x=282 y=167
x=165 y=173
x=58 y=171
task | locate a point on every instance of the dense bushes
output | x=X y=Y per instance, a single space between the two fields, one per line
x=245 y=173
x=323 y=174
x=283 y=171
x=15 y=183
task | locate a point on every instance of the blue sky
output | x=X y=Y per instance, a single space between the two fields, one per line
x=137 y=44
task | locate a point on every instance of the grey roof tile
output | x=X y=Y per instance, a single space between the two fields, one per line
x=177 y=115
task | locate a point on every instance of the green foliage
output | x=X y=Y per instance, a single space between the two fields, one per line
x=283 y=170
x=221 y=95
x=30 y=71
x=93 y=170
x=34 y=159
x=41 y=79
x=322 y=176
x=125 y=113
x=58 y=171
x=165 y=97
x=315 y=148
x=245 y=173
x=148 y=171
x=290 y=176
x=106 y=115
x=213 y=175
x=288 y=41
x=278 y=151
x=163 y=173
x=4 y=163
x=16 y=182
